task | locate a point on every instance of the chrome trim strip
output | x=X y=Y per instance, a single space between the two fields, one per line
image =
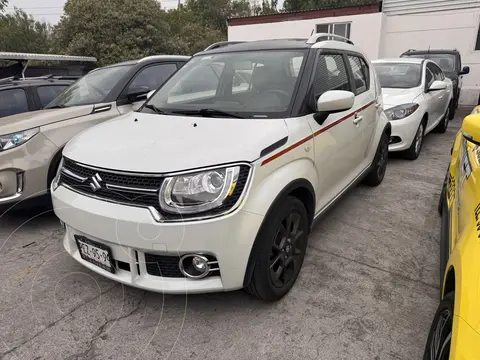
x=131 y=189
x=10 y=198
x=132 y=173
x=73 y=175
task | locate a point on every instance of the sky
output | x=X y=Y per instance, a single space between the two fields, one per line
x=51 y=10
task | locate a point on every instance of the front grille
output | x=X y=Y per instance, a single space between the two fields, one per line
x=143 y=189
x=165 y=266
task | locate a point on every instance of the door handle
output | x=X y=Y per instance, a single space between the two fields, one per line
x=377 y=105
x=357 y=119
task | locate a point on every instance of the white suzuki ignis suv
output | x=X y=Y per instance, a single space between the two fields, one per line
x=215 y=182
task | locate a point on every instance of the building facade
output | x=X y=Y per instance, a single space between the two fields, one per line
x=399 y=25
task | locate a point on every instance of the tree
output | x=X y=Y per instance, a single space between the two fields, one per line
x=3 y=5
x=112 y=30
x=20 y=32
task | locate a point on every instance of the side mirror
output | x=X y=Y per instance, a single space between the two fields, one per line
x=438 y=85
x=465 y=70
x=471 y=128
x=333 y=101
x=137 y=94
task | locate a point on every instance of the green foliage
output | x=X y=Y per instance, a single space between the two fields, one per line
x=19 y=32
x=3 y=5
x=112 y=30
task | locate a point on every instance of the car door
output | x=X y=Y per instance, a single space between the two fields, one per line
x=437 y=98
x=444 y=95
x=338 y=153
x=364 y=102
x=430 y=97
x=149 y=78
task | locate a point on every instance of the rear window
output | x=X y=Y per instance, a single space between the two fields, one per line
x=12 y=102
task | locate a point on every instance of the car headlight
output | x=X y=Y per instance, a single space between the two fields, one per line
x=198 y=192
x=401 y=111
x=10 y=141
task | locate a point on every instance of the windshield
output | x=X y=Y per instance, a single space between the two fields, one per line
x=93 y=88
x=398 y=75
x=446 y=62
x=244 y=84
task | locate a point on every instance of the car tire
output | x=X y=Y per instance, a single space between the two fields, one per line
x=413 y=152
x=453 y=109
x=379 y=165
x=279 y=251
x=440 y=335
x=443 y=125
x=443 y=193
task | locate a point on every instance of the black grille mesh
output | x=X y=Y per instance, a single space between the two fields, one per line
x=140 y=182
x=165 y=266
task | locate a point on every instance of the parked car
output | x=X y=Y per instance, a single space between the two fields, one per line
x=18 y=96
x=455 y=331
x=476 y=110
x=417 y=98
x=450 y=61
x=218 y=189
x=31 y=144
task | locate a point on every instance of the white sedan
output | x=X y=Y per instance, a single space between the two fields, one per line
x=416 y=97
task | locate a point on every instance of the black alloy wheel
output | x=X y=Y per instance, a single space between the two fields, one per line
x=440 y=337
x=288 y=250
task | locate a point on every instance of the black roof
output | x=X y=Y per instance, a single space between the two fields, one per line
x=437 y=51
x=4 y=83
x=280 y=44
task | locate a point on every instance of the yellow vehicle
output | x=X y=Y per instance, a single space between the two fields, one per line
x=476 y=110
x=455 y=332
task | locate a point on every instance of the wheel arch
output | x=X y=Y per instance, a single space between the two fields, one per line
x=449 y=284
x=52 y=168
x=303 y=190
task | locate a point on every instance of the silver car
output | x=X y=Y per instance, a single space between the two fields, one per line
x=31 y=144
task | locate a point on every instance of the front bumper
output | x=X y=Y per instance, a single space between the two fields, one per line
x=131 y=232
x=24 y=170
x=465 y=341
x=404 y=131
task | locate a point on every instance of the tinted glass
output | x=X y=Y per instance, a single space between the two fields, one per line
x=153 y=77
x=446 y=62
x=437 y=73
x=250 y=84
x=361 y=74
x=48 y=93
x=13 y=102
x=398 y=75
x=93 y=88
x=330 y=74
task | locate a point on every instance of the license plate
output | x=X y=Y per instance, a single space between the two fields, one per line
x=95 y=253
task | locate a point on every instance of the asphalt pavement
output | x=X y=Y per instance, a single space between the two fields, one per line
x=368 y=289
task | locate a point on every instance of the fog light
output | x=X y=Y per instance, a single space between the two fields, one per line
x=200 y=263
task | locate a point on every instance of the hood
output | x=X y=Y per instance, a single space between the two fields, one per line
x=29 y=120
x=153 y=143
x=393 y=97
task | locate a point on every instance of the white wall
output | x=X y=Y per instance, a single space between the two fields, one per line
x=365 y=30
x=439 y=30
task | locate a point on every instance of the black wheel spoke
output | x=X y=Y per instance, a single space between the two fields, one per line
x=297 y=236
x=275 y=261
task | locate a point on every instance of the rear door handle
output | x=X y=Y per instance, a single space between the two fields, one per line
x=357 y=119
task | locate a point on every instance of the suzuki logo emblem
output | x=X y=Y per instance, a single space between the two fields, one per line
x=95 y=182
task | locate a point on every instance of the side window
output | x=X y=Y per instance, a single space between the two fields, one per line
x=13 y=102
x=330 y=74
x=48 y=93
x=361 y=74
x=153 y=77
x=429 y=77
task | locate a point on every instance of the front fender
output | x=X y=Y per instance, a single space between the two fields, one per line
x=267 y=185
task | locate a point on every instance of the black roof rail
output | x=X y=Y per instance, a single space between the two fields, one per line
x=222 y=44
x=315 y=38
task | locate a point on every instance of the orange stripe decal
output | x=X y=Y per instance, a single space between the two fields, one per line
x=322 y=130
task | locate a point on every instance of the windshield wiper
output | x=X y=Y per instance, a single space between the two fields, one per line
x=54 y=107
x=208 y=113
x=156 y=109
